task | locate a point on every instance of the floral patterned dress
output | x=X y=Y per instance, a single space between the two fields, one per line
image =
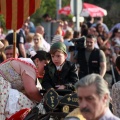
x=116 y=98
x=11 y=80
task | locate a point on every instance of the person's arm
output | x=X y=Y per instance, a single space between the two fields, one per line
x=22 y=50
x=72 y=77
x=72 y=57
x=30 y=88
x=102 y=68
x=102 y=63
x=113 y=59
x=61 y=40
x=47 y=82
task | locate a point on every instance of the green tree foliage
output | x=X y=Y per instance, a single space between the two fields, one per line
x=2 y=21
x=47 y=6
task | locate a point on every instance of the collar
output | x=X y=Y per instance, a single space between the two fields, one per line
x=107 y=115
x=59 y=68
x=28 y=60
x=23 y=31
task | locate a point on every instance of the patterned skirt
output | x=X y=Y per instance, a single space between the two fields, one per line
x=23 y=101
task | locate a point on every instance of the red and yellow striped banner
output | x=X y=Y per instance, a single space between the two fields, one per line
x=16 y=11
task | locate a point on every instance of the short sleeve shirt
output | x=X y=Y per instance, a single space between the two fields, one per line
x=102 y=55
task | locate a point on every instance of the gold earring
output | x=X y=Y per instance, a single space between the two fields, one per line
x=37 y=65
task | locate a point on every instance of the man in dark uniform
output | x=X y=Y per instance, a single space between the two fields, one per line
x=20 y=39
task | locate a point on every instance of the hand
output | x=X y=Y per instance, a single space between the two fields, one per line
x=61 y=87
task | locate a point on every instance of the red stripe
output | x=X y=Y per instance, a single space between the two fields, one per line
x=20 y=13
x=31 y=7
x=0 y=6
x=8 y=14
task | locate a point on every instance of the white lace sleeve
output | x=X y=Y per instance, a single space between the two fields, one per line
x=11 y=106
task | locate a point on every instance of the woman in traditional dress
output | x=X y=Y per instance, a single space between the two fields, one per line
x=18 y=83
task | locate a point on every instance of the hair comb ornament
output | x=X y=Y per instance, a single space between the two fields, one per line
x=32 y=53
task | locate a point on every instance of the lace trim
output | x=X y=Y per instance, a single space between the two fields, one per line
x=17 y=59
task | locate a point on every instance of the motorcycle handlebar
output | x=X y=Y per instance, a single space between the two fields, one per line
x=60 y=92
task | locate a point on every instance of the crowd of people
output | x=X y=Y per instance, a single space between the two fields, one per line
x=91 y=67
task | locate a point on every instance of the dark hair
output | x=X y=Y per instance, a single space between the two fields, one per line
x=98 y=18
x=45 y=15
x=76 y=34
x=90 y=36
x=97 y=26
x=84 y=29
x=89 y=18
x=118 y=62
x=42 y=55
x=9 y=47
x=115 y=30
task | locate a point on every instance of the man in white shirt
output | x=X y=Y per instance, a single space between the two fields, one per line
x=40 y=30
x=93 y=98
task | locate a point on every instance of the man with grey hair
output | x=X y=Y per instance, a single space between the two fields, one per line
x=93 y=98
x=9 y=52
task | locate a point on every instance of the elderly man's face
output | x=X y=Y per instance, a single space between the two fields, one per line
x=9 y=54
x=91 y=105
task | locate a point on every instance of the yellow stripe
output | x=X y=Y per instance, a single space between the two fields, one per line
x=26 y=9
x=37 y=4
x=14 y=14
x=3 y=8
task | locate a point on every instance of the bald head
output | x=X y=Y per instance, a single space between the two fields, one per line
x=40 y=30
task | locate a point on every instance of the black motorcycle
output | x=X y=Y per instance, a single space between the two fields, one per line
x=56 y=105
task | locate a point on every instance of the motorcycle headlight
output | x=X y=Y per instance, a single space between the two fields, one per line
x=65 y=109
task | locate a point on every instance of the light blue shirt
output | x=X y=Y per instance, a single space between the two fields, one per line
x=68 y=43
x=104 y=26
